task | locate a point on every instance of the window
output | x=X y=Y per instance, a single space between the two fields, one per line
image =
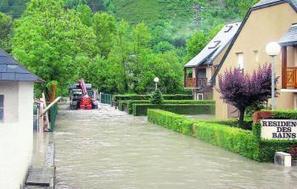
x=1 y=107
x=228 y=28
x=240 y=61
x=214 y=45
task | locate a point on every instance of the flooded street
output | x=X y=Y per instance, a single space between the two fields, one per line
x=109 y=149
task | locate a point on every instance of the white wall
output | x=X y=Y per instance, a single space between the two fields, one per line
x=10 y=90
x=16 y=136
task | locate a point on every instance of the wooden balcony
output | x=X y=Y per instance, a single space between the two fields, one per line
x=195 y=83
x=290 y=78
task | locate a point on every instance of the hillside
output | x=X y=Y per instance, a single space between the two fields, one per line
x=185 y=16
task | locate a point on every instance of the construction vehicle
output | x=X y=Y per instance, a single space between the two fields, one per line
x=82 y=96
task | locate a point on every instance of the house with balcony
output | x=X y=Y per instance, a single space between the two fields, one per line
x=16 y=121
x=199 y=70
x=267 y=21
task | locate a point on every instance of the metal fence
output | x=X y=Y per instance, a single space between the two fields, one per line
x=106 y=98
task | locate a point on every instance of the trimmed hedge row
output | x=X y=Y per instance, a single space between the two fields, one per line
x=232 y=139
x=130 y=103
x=269 y=147
x=117 y=98
x=171 y=121
x=245 y=143
x=186 y=109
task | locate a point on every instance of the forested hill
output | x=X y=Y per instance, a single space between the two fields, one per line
x=184 y=15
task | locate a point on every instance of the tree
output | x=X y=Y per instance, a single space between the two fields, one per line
x=104 y=26
x=48 y=39
x=157 y=97
x=85 y=14
x=141 y=37
x=6 y=27
x=242 y=90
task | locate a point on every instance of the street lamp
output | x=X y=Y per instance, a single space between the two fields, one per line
x=273 y=49
x=156 y=80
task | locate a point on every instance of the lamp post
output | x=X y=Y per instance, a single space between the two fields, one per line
x=273 y=49
x=156 y=80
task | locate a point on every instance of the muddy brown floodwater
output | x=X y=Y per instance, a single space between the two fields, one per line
x=109 y=149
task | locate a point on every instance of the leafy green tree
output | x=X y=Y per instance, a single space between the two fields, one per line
x=85 y=14
x=5 y=32
x=141 y=37
x=48 y=40
x=163 y=46
x=104 y=26
x=157 y=97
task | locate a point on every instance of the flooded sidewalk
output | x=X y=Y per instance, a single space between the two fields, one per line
x=109 y=149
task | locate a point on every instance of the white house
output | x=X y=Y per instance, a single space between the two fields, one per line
x=16 y=121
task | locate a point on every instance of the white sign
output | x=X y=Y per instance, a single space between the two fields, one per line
x=279 y=129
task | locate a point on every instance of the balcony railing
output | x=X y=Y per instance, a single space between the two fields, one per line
x=291 y=77
x=196 y=83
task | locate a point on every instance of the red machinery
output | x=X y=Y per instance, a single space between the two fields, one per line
x=85 y=101
x=82 y=96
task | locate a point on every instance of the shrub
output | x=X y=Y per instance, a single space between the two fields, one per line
x=123 y=105
x=157 y=97
x=132 y=102
x=171 y=121
x=186 y=109
x=233 y=139
x=117 y=98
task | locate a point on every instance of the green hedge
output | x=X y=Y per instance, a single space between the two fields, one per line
x=186 y=109
x=245 y=143
x=130 y=103
x=117 y=98
x=232 y=139
x=269 y=147
x=171 y=121
x=122 y=105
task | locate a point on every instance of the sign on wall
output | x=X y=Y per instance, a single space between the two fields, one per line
x=278 y=129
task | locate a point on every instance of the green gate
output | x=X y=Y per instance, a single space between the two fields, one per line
x=106 y=98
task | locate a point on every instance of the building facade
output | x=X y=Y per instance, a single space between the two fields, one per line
x=267 y=21
x=200 y=69
x=16 y=121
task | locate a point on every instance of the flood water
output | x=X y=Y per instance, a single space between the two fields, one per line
x=109 y=149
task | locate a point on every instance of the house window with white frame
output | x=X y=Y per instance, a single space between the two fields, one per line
x=1 y=108
x=240 y=61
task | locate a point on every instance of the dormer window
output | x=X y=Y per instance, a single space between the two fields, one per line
x=214 y=45
x=228 y=28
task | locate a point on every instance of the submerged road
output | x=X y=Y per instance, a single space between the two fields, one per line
x=109 y=149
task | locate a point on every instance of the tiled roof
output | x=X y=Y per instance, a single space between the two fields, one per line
x=290 y=38
x=270 y=2
x=215 y=46
x=10 y=70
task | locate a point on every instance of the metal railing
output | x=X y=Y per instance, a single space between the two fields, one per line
x=291 y=77
x=106 y=98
